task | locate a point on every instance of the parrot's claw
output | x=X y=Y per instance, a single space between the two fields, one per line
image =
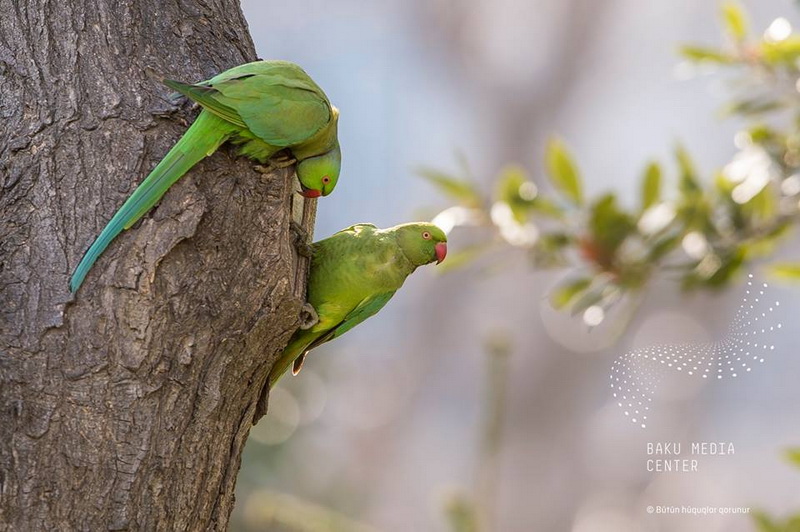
x=282 y=159
x=298 y=364
x=308 y=316
x=283 y=162
x=301 y=243
x=276 y=163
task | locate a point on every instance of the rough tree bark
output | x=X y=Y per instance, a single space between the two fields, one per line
x=126 y=406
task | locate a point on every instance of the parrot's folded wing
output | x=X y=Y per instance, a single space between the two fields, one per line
x=205 y=96
x=356 y=228
x=280 y=114
x=368 y=307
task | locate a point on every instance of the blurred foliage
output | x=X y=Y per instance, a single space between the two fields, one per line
x=461 y=513
x=700 y=230
x=765 y=523
x=280 y=512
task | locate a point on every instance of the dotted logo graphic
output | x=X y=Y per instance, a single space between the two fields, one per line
x=636 y=374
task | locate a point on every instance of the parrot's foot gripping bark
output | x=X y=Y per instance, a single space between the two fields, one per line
x=301 y=240
x=308 y=316
x=276 y=163
x=282 y=161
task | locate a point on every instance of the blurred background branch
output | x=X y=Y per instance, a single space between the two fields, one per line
x=524 y=106
x=476 y=511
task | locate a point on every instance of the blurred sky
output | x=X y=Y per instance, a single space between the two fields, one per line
x=383 y=423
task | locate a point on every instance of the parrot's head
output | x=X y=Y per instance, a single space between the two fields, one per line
x=318 y=175
x=422 y=242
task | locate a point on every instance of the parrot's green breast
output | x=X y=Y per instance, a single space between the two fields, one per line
x=355 y=264
x=354 y=273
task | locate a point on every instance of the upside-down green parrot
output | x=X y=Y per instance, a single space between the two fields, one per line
x=264 y=107
x=353 y=275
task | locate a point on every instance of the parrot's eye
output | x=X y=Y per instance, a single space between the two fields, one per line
x=426 y=235
x=326 y=180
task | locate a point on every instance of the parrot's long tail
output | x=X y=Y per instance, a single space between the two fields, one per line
x=202 y=139
x=297 y=348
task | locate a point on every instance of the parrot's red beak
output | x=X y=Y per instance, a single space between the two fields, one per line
x=441 y=251
x=310 y=193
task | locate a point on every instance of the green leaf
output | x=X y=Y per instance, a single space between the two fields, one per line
x=664 y=246
x=706 y=55
x=563 y=294
x=724 y=186
x=545 y=207
x=588 y=299
x=688 y=175
x=765 y=523
x=651 y=185
x=785 y=270
x=730 y=266
x=563 y=172
x=555 y=241
x=761 y=133
x=517 y=191
x=694 y=210
x=755 y=106
x=793 y=455
x=549 y=251
x=761 y=207
x=786 y=51
x=609 y=225
x=461 y=514
x=735 y=20
x=461 y=190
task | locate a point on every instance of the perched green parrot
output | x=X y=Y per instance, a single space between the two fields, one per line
x=264 y=107
x=353 y=275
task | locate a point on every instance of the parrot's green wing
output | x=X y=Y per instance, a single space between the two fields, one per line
x=356 y=227
x=280 y=111
x=205 y=96
x=368 y=307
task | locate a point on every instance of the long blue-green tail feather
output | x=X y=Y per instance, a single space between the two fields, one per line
x=202 y=139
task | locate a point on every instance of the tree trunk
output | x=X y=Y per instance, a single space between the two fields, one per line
x=126 y=406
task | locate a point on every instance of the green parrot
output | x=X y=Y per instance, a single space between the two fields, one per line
x=264 y=107
x=354 y=273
